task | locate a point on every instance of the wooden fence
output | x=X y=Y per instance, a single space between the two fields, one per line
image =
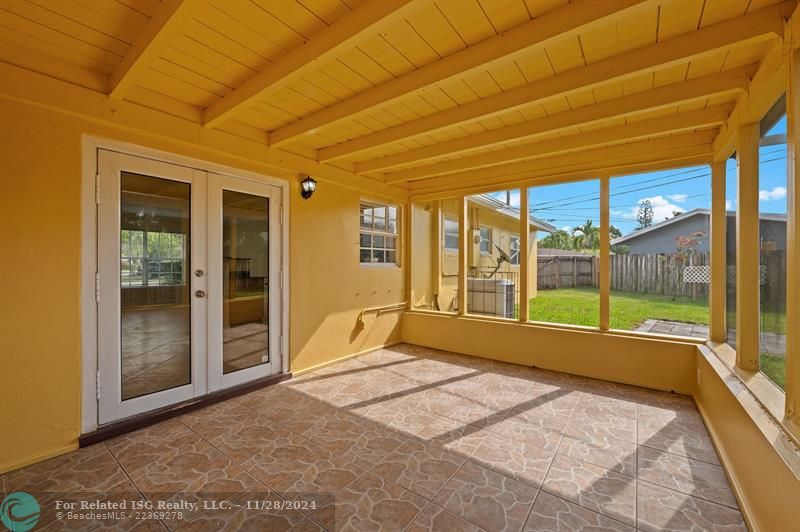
x=658 y=273
x=567 y=272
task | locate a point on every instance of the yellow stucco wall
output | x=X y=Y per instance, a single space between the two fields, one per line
x=40 y=235
x=659 y=364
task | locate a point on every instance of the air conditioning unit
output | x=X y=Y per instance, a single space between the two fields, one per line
x=491 y=297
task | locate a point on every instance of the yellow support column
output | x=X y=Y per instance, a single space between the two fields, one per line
x=463 y=247
x=524 y=236
x=748 y=279
x=718 y=252
x=436 y=250
x=793 y=239
x=605 y=259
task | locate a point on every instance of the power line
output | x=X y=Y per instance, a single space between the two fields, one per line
x=597 y=197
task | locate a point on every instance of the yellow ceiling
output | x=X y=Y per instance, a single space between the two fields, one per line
x=408 y=90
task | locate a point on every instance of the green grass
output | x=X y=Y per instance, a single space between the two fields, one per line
x=774 y=367
x=581 y=306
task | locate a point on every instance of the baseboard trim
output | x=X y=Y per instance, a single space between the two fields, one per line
x=346 y=357
x=147 y=419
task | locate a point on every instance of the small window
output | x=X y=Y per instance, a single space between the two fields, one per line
x=486 y=240
x=450 y=229
x=379 y=234
x=514 y=248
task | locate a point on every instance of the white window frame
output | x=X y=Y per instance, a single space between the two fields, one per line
x=445 y=234
x=481 y=240
x=514 y=258
x=375 y=204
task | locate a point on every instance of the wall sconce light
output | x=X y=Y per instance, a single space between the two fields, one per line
x=307 y=187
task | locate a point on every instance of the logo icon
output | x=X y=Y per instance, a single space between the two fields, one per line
x=19 y=512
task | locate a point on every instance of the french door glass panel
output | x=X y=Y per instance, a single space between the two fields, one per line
x=155 y=258
x=245 y=289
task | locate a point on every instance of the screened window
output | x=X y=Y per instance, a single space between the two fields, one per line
x=151 y=258
x=378 y=238
x=450 y=229
x=486 y=240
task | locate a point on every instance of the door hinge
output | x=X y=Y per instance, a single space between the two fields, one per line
x=97 y=189
x=97 y=287
x=97 y=384
x=281 y=345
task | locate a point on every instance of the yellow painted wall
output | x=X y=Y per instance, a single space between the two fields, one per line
x=768 y=491
x=40 y=225
x=659 y=364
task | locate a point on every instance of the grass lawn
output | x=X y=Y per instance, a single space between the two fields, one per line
x=581 y=306
x=774 y=367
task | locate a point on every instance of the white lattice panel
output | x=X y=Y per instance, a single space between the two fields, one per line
x=731 y=274
x=697 y=274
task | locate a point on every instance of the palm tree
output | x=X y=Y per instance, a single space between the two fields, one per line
x=559 y=239
x=586 y=236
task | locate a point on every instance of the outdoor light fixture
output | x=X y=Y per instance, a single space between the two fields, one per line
x=307 y=187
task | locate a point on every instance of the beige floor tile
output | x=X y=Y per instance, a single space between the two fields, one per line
x=421 y=467
x=487 y=498
x=595 y=488
x=591 y=424
x=609 y=453
x=661 y=509
x=551 y=514
x=693 y=477
x=372 y=503
x=436 y=519
x=515 y=458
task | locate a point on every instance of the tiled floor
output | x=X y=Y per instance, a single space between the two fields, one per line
x=414 y=439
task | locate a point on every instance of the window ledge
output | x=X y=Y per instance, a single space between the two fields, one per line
x=763 y=401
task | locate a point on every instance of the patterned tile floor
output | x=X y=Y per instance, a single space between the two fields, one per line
x=410 y=438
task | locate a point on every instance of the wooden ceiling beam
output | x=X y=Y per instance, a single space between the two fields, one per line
x=656 y=127
x=731 y=81
x=766 y=87
x=557 y=25
x=169 y=18
x=343 y=34
x=763 y=24
x=673 y=150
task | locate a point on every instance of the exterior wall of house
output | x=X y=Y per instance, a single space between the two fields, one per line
x=663 y=240
x=40 y=234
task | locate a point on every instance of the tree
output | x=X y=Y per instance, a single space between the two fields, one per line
x=614 y=232
x=644 y=215
x=586 y=236
x=674 y=214
x=557 y=240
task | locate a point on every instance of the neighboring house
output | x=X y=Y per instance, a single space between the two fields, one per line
x=661 y=237
x=493 y=224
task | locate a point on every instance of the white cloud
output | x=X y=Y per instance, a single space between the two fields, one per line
x=728 y=205
x=567 y=228
x=775 y=194
x=680 y=198
x=662 y=209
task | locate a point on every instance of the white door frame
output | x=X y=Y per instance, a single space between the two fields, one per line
x=89 y=260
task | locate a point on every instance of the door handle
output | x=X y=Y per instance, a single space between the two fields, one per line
x=200 y=293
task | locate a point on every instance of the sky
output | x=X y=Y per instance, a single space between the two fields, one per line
x=570 y=204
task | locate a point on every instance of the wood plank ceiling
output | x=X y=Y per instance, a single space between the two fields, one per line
x=423 y=94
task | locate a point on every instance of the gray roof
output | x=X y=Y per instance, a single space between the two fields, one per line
x=695 y=212
x=507 y=210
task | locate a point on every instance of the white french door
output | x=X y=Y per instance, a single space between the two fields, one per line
x=189 y=291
